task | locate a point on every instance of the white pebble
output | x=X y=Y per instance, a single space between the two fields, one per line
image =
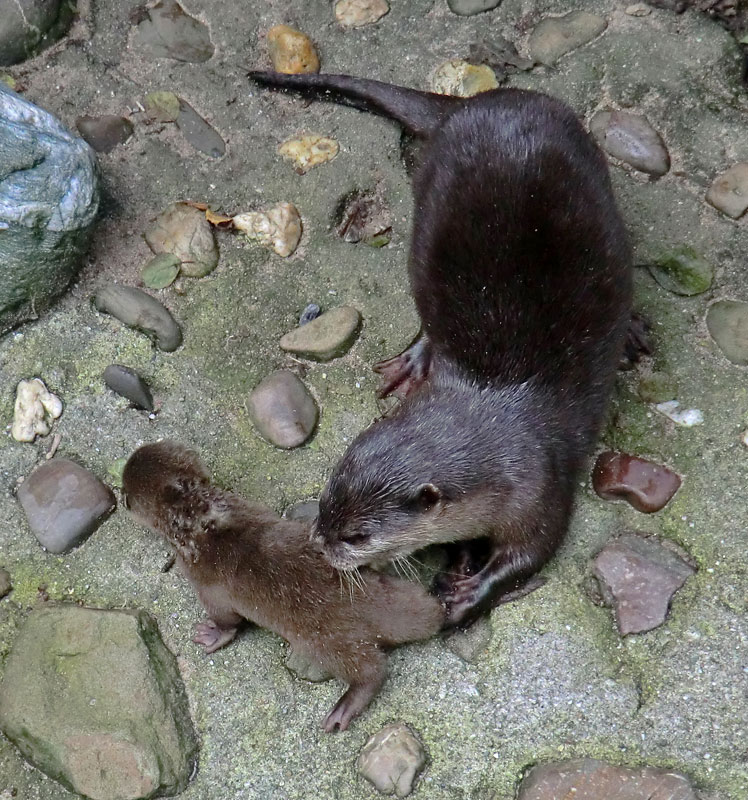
x=686 y=418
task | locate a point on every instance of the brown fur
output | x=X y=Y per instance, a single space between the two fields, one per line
x=245 y=562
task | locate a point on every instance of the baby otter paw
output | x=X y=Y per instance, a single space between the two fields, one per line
x=340 y=716
x=211 y=637
x=462 y=598
x=403 y=374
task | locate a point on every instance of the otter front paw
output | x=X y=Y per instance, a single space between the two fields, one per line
x=211 y=636
x=462 y=598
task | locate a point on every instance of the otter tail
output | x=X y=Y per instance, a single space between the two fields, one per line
x=418 y=112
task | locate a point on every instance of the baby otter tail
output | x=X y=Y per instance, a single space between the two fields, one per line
x=418 y=112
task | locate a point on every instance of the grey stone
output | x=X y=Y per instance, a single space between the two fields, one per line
x=589 y=779
x=466 y=8
x=683 y=271
x=5 y=584
x=27 y=26
x=198 y=132
x=168 y=31
x=305 y=511
x=729 y=192
x=94 y=699
x=632 y=139
x=638 y=576
x=326 y=337
x=139 y=310
x=391 y=759
x=48 y=202
x=283 y=410
x=127 y=383
x=106 y=132
x=727 y=321
x=64 y=503
x=553 y=37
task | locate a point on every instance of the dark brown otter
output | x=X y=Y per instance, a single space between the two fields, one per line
x=245 y=562
x=521 y=273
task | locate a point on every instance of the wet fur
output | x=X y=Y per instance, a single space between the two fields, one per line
x=521 y=273
x=245 y=562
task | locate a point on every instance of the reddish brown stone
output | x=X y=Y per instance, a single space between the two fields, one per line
x=643 y=484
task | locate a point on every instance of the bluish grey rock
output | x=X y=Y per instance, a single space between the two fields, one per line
x=48 y=203
x=27 y=26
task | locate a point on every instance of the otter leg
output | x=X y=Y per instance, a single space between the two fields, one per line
x=637 y=341
x=370 y=671
x=466 y=598
x=406 y=372
x=212 y=635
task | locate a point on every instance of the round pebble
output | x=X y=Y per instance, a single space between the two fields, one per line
x=35 y=409
x=553 y=37
x=391 y=759
x=324 y=338
x=127 y=383
x=727 y=321
x=64 y=503
x=291 y=51
x=683 y=271
x=462 y=79
x=358 y=13
x=140 y=311
x=466 y=8
x=283 y=410
x=729 y=192
x=106 y=132
x=646 y=486
x=632 y=139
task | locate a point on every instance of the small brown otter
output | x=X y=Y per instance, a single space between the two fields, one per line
x=521 y=272
x=245 y=562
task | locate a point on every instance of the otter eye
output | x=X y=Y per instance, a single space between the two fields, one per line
x=426 y=496
x=356 y=538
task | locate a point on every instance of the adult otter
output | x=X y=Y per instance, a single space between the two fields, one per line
x=245 y=562
x=521 y=273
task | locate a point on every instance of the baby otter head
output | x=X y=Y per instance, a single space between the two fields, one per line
x=157 y=478
x=440 y=470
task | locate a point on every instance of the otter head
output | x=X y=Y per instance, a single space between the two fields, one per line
x=439 y=470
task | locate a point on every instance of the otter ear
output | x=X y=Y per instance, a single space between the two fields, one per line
x=174 y=492
x=426 y=496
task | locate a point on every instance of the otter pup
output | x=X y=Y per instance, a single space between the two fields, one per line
x=245 y=562
x=521 y=273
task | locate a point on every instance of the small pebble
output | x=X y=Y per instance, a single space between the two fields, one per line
x=658 y=387
x=324 y=338
x=166 y=30
x=466 y=8
x=391 y=759
x=5 y=584
x=308 y=151
x=686 y=418
x=638 y=10
x=183 y=231
x=291 y=51
x=127 y=383
x=64 y=503
x=278 y=228
x=35 y=409
x=303 y=511
x=283 y=410
x=646 y=486
x=632 y=139
x=106 y=132
x=638 y=577
x=462 y=79
x=744 y=438
x=357 y=13
x=139 y=310
x=553 y=37
x=199 y=133
x=729 y=192
x=300 y=666
x=683 y=271
x=727 y=321
x=312 y=311
x=471 y=643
